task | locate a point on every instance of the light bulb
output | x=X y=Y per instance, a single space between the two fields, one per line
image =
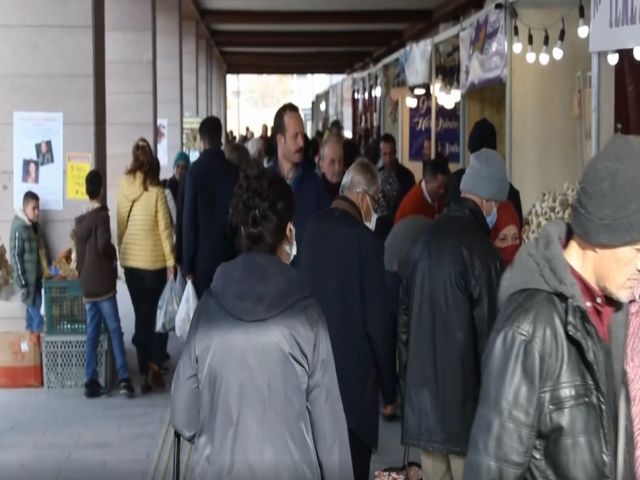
x=456 y=93
x=636 y=53
x=558 y=51
x=583 y=27
x=378 y=91
x=419 y=91
x=366 y=95
x=531 y=54
x=517 y=44
x=411 y=102
x=612 y=58
x=449 y=103
x=437 y=86
x=323 y=106
x=544 y=53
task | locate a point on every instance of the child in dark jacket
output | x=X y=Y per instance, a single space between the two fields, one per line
x=28 y=258
x=96 y=260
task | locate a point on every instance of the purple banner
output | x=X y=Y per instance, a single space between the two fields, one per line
x=448 y=133
x=420 y=130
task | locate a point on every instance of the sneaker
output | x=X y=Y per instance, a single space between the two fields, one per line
x=93 y=389
x=126 y=388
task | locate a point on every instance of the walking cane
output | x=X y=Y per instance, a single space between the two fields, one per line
x=176 y=455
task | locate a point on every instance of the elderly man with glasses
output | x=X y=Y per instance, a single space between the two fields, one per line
x=343 y=262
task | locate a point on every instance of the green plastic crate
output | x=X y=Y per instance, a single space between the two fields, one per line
x=64 y=309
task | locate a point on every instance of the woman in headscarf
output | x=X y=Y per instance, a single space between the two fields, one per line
x=506 y=234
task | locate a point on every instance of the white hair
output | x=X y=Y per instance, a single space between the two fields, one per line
x=362 y=176
x=256 y=148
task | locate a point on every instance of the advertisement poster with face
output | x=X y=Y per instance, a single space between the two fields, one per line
x=37 y=158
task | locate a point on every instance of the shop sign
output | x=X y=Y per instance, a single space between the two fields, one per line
x=615 y=25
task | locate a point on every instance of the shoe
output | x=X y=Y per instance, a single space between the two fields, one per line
x=93 y=389
x=155 y=377
x=126 y=388
x=146 y=386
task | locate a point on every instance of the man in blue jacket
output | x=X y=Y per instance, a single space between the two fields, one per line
x=207 y=241
x=309 y=193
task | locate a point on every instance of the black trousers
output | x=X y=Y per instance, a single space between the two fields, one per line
x=360 y=456
x=145 y=288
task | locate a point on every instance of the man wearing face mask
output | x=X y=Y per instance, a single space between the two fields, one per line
x=449 y=298
x=343 y=262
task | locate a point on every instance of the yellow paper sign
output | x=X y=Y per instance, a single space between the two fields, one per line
x=78 y=165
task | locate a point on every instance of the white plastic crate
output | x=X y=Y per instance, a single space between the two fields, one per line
x=63 y=361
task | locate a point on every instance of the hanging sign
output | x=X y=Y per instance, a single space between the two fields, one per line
x=615 y=25
x=417 y=63
x=448 y=133
x=483 y=51
x=420 y=130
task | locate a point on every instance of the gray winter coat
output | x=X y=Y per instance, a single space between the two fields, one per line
x=256 y=387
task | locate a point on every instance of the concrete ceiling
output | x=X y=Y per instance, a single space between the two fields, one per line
x=319 y=36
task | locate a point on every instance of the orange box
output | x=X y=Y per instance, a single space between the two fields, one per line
x=20 y=360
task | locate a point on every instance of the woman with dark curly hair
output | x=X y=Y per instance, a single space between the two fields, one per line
x=256 y=388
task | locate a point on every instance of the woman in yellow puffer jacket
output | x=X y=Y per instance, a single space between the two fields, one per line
x=145 y=243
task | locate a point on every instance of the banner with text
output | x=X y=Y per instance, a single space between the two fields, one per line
x=420 y=130
x=615 y=25
x=448 y=133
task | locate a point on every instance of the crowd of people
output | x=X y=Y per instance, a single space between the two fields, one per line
x=335 y=289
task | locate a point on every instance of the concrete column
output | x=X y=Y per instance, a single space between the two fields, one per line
x=130 y=83
x=189 y=69
x=47 y=66
x=168 y=72
x=202 y=77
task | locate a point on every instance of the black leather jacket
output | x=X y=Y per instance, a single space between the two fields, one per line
x=544 y=411
x=450 y=297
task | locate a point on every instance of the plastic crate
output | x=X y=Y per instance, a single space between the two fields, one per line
x=64 y=309
x=63 y=361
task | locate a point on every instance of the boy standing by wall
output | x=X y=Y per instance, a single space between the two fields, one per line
x=28 y=258
x=96 y=260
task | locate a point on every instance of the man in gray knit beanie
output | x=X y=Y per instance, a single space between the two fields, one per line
x=555 y=393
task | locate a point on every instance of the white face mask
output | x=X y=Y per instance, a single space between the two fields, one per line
x=371 y=224
x=292 y=248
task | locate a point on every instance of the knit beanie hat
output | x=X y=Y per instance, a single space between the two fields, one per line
x=605 y=212
x=486 y=176
x=482 y=135
x=181 y=157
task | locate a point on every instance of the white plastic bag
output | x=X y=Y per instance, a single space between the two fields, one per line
x=168 y=307
x=185 y=312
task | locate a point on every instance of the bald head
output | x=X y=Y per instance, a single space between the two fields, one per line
x=332 y=159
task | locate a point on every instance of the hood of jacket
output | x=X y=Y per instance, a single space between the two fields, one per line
x=86 y=222
x=540 y=265
x=132 y=187
x=257 y=286
x=21 y=215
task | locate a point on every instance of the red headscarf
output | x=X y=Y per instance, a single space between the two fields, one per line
x=507 y=216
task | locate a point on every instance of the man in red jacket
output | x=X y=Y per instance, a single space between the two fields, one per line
x=425 y=198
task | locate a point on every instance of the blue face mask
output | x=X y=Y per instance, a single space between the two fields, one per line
x=492 y=218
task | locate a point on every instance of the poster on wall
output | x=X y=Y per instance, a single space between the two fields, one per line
x=78 y=165
x=163 y=142
x=420 y=130
x=615 y=25
x=37 y=158
x=448 y=133
x=483 y=52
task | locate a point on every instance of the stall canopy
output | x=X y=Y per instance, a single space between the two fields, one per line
x=615 y=25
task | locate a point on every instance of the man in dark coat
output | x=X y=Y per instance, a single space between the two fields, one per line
x=555 y=394
x=482 y=135
x=206 y=237
x=450 y=295
x=348 y=281
x=308 y=191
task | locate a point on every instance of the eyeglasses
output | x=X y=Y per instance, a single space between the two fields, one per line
x=376 y=201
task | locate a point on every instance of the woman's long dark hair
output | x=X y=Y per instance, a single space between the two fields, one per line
x=261 y=208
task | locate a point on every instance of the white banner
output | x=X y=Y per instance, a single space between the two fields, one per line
x=37 y=158
x=615 y=25
x=483 y=53
x=417 y=63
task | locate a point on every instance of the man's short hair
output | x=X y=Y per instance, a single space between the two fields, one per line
x=331 y=139
x=388 y=138
x=436 y=167
x=30 y=197
x=93 y=184
x=361 y=176
x=211 y=131
x=279 y=127
x=336 y=124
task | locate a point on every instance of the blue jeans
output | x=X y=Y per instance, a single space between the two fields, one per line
x=35 y=322
x=96 y=311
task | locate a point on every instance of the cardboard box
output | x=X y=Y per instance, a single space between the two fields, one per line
x=20 y=360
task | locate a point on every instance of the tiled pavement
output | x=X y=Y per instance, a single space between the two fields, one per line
x=58 y=434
